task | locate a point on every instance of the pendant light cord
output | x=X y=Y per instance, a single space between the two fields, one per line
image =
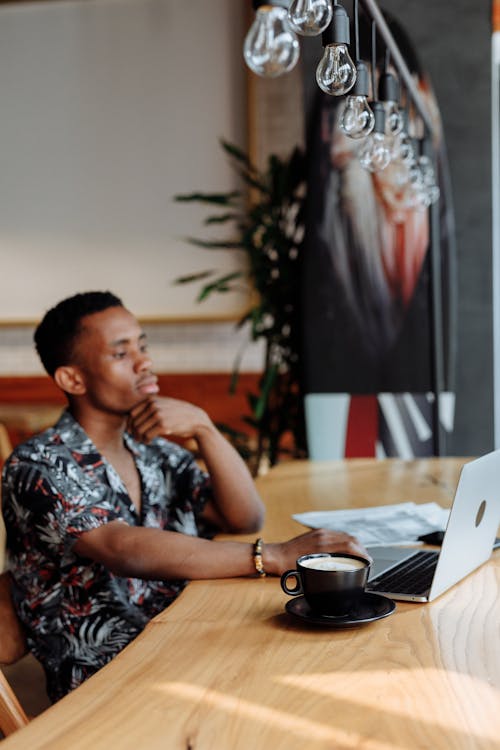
x=374 y=58
x=356 y=29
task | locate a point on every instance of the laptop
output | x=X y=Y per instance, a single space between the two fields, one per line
x=467 y=543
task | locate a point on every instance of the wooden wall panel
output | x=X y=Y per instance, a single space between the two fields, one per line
x=28 y=404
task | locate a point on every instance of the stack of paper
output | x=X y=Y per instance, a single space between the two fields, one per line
x=382 y=524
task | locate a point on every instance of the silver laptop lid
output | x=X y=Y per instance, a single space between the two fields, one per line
x=472 y=525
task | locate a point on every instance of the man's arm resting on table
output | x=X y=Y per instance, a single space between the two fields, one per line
x=139 y=552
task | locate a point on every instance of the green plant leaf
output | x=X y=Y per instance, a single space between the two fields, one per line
x=224 y=199
x=247 y=171
x=253 y=181
x=252 y=400
x=267 y=384
x=241 y=322
x=219 y=285
x=231 y=431
x=236 y=153
x=235 y=374
x=193 y=277
x=215 y=244
x=221 y=219
x=233 y=383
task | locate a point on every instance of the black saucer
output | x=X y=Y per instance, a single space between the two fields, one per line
x=370 y=607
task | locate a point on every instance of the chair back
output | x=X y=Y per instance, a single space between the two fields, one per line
x=3 y=540
x=12 y=647
x=5 y=451
x=5 y=443
x=12 y=716
x=12 y=638
x=13 y=644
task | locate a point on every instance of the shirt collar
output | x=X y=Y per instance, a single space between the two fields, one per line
x=73 y=435
x=76 y=439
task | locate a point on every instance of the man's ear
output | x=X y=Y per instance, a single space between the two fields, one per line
x=70 y=380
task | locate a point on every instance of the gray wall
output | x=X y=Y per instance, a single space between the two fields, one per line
x=453 y=42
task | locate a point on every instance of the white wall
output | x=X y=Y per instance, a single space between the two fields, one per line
x=107 y=109
x=175 y=347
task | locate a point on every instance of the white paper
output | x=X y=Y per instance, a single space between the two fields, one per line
x=382 y=524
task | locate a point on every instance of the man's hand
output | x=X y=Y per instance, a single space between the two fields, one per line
x=167 y=417
x=282 y=556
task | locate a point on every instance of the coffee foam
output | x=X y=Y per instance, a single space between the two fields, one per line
x=332 y=563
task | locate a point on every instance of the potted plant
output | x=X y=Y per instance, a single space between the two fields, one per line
x=269 y=228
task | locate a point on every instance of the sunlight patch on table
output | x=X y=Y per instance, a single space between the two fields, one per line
x=404 y=694
x=284 y=722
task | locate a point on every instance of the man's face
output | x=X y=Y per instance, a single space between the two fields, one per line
x=111 y=354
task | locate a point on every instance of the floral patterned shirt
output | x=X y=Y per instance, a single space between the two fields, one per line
x=56 y=486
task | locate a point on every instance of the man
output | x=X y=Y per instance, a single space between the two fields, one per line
x=106 y=519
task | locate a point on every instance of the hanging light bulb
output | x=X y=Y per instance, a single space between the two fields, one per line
x=336 y=72
x=429 y=191
x=427 y=169
x=375 y=151
x=402 y=146
x=357 y=119
x=397 y=174
x=416 y=188
x=310 y=17
x=271 y=47
x=415 y=178
x=429 y=196
x=388 y=94
x=396 y=188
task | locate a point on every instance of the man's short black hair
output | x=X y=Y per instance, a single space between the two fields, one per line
x=55 y=335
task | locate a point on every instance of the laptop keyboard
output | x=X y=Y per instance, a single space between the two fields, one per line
x=412 y=576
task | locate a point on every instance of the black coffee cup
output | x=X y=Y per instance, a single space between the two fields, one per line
x=332 y=583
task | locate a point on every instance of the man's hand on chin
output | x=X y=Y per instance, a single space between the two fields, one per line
x=158 y=416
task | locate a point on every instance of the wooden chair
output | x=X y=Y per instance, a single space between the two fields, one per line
x=12 y=647
x=5 y=443
x=12 y=641
x=13 y=644
x=12 y=716
x=5 y=451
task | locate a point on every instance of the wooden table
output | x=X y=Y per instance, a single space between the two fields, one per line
x=225 y=668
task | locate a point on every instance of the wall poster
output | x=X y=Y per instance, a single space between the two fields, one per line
x=367 y=328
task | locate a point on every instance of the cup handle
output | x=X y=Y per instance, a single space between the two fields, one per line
x=298 y=586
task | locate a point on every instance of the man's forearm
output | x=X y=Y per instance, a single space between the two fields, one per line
x=137 y=552
x=235 y=496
